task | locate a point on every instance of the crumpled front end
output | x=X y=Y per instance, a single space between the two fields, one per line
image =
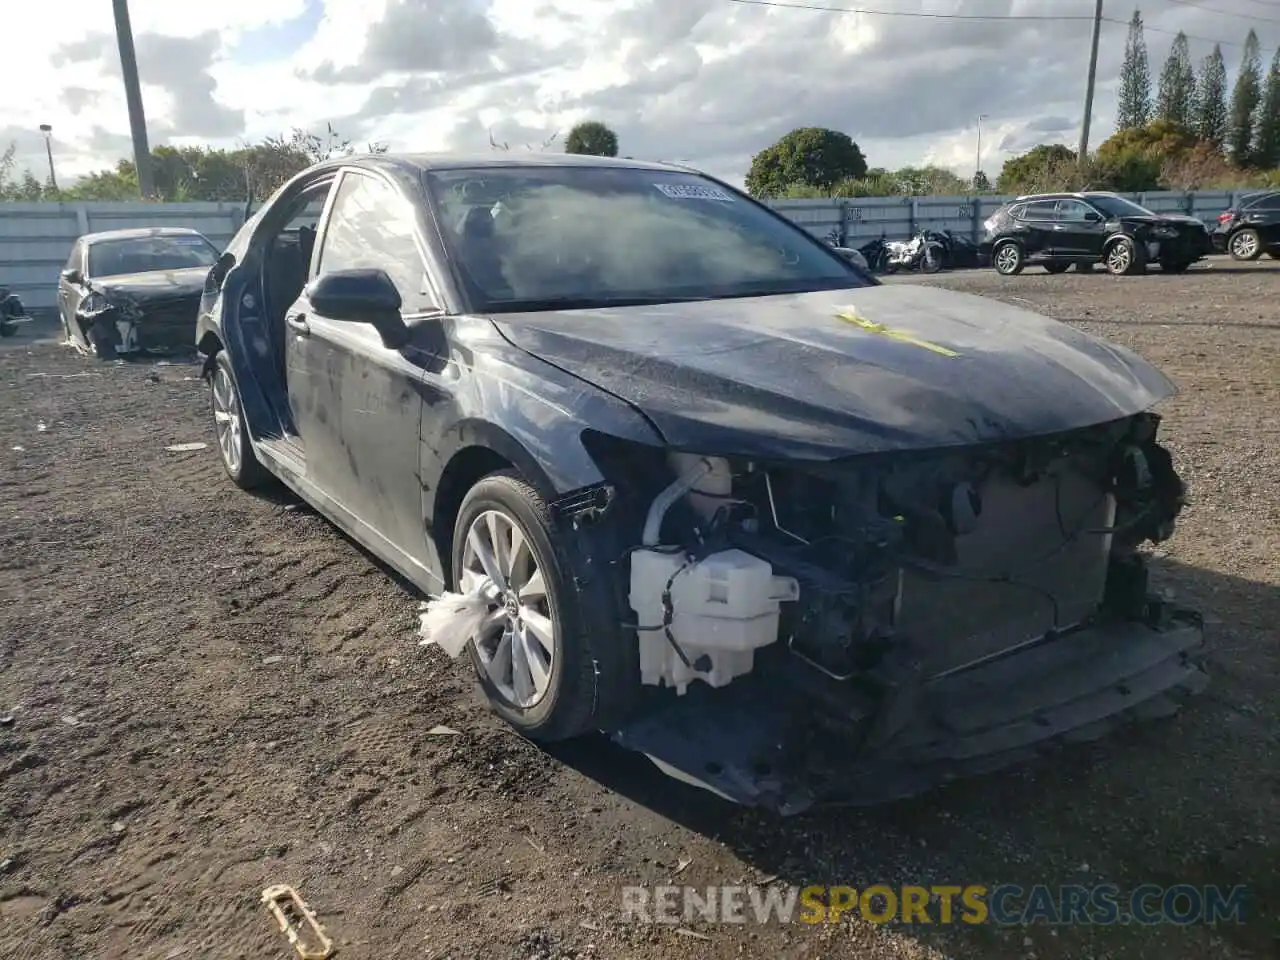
x=118 y=323
x=859 y=630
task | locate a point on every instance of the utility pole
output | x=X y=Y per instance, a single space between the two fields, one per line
x=977 y=166
x=47 y=130
x=133 y=96
x=1083 y=153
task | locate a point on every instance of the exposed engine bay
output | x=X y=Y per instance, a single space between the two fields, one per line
x=874 y=587
x=963 y=555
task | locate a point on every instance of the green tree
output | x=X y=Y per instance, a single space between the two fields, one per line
x=809 y=156
x=1211 y=99
x=1176 y=100
x=1041 y=168
x=1245 y=100
x=981 y=184
x=201 y=173
x=1159 y=138
x=1135 y=79
x=1269 y=119
x=591 y=137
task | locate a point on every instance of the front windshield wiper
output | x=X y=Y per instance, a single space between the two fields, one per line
x=583 y=303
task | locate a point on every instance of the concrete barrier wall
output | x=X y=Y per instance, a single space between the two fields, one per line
x=36 y=238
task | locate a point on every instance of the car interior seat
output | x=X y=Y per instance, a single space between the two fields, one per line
x=480 y=253
x=285 y=276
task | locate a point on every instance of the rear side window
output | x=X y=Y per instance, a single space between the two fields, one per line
x=1270 y=201
x=1040 y=210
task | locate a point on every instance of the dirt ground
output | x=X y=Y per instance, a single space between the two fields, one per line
x=204 y=692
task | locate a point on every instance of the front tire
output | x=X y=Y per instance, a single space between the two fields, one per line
x=531 y=658
x=1245 y=244
x=1124 y=258
x=1008 y=258
x=234 y=446
x=101 y=337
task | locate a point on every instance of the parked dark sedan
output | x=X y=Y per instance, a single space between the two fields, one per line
x=129 y=291
x=1251 y=228
x=788 y=531
x=1061 y=229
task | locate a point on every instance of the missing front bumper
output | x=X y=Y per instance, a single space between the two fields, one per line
x=757 y=744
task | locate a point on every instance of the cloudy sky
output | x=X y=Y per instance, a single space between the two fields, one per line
x=703 y=81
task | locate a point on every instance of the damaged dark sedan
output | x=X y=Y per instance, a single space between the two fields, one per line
x=796 y=535
x=126 y=292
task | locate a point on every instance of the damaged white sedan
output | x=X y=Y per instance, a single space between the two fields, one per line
x=795 y=535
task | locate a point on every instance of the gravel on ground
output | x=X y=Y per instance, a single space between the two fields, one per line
x=205 y=692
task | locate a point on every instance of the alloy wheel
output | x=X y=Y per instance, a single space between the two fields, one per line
x=1119 y=257
x=1244 y=245
x=1007 y=258
x=517 y=642
x=226 y=418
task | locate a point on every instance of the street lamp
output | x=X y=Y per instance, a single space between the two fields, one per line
x=977 y=166
x=47 y=130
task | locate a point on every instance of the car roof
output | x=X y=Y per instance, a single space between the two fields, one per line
x=138 y=233
x=1078 y=195
x=418 y=162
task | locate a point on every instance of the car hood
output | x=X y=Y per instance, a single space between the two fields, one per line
x=834 y=373
x=1172 y=219
x=155 y=284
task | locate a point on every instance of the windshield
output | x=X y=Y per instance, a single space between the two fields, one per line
x=110 y=258
x=1120 y=207
x=530 y=238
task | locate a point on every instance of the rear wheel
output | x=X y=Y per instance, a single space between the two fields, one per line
x=234 y=446
x=534 y=664
x=1056 y=267
x=1245 y=244
x=1008 y=258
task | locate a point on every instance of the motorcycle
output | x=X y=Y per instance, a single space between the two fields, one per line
x=853 y=256
x=890 y=256
x=12 y=312
x=921 y=253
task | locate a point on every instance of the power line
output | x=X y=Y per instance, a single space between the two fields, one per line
x=988 y=18
x=914 y=14
x=1223 y=13
x=1189 y=36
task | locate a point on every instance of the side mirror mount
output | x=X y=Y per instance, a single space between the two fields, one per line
x=72 y=276
x=218 y=272
x=361 y=296
x=1093 y=216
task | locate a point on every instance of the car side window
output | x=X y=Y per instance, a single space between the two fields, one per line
x=372 y=226
x=1040 y=210
x=1072 y=211
x=1271 y=202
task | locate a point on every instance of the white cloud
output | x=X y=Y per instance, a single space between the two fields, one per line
x=703 y=81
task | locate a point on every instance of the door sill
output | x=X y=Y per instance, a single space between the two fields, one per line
x=289 y=450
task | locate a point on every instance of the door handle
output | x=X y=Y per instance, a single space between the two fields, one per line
x=1058 y=226
x=298 y=323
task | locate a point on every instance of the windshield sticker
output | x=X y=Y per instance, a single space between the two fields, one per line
x=690 y=191
x=850 y=315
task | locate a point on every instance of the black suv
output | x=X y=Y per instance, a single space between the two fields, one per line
x=1059 y=229
x=1251 y=229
